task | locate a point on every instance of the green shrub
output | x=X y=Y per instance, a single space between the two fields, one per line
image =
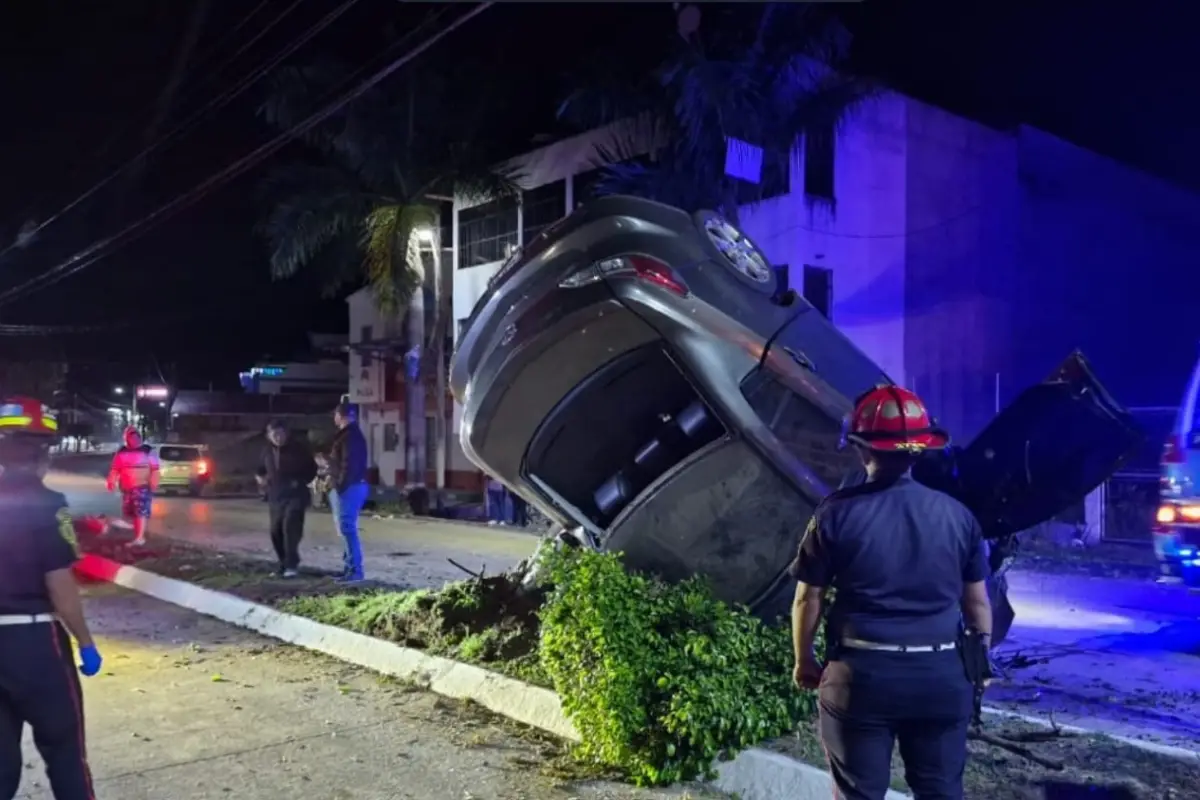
x=661 y=680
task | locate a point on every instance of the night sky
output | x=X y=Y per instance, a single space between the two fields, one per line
x=83 y=84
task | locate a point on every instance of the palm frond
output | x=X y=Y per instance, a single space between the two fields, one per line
x=310 y=208
x=392 y=259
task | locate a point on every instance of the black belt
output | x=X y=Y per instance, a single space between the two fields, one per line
x=861 y=644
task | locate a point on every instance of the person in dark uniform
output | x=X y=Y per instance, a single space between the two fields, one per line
x=40 y=611
x=906 y=564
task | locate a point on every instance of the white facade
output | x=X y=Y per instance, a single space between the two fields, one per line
x=376 y=385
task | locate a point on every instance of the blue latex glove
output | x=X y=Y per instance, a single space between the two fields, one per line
x=89 y=661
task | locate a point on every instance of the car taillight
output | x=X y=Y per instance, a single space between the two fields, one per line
x=1169 y=513
x=202 y=467
x=643 y=268
x=1173 y=451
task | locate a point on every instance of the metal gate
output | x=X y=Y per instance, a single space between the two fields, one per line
x=1130 y=497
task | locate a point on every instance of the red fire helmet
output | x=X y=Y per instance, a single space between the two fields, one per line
x=894 y=419
x=26 y=415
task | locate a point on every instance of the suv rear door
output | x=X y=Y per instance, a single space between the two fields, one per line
x=1055 y=443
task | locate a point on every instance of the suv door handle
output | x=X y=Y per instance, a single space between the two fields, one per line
x=801 y=359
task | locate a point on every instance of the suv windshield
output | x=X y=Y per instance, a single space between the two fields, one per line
x=178 y=453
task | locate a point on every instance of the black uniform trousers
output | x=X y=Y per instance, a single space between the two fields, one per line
x=287 y=529
x=39 y=686
x=870 y=701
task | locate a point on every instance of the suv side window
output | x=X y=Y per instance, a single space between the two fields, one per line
x=810 y=434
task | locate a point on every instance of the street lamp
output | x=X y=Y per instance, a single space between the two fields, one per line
x=424 y=235
x=118 y=390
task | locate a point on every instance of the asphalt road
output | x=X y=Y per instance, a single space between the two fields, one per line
x=1118 y=655
x=405 y=552
x=188 y=708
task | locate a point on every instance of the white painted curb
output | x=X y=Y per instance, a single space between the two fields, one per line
x=531 y=705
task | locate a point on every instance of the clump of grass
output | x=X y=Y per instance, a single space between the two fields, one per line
x=484 y=621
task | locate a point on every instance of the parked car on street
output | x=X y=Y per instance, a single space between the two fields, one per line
x=635 y=372
x=184 y=468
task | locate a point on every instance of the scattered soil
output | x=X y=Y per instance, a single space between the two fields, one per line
x=483 y=620
x=1090 y=763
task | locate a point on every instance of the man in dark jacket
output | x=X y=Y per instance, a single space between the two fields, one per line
x=286 y=470
x=348 y=474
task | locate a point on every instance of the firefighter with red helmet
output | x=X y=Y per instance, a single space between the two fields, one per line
x=40 y=611
x=906 y=563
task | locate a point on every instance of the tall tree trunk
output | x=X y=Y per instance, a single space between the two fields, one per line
x=415 y=448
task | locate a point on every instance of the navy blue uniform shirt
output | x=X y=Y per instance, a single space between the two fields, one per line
x=31 y=544
x=897 y=555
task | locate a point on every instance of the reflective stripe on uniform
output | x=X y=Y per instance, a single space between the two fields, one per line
x=26 y=619
x=66 y=528
x=860 y=644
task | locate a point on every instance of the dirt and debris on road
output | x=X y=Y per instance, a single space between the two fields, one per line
x=1030 y=758
x=189 y=708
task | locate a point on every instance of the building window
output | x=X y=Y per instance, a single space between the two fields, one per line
x=818 y=289
x=365 y=334
x=818 y=162
x=391 y=437
x=810 y=434
x=487 y=232
x=542 y=207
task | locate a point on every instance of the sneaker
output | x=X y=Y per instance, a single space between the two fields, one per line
x=289 y=573
x=138 y=542
x=351 y=577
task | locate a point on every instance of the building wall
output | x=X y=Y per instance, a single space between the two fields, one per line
x=383 y=422
x=1112 y=255
x=959 y=245
x=857 y=237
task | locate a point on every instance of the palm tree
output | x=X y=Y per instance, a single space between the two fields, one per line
x=766 y=80
x=356 y=211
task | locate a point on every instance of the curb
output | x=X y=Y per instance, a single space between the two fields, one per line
x=754 y=774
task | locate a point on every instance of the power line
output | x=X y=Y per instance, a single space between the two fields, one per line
x=96 y=251
x=125 y=127
x=220 y=101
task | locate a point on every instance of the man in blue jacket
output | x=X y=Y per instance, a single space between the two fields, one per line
x=348 y=474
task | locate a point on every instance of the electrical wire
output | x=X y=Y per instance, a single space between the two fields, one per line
x=97 y=250
x=125 y=127
x=220 y=101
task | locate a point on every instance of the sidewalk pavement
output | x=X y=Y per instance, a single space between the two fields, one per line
x=189 y=708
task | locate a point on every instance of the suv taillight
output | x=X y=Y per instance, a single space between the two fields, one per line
x=1173 y=451
x=643 y=268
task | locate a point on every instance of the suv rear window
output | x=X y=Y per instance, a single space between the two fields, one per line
x=178 y=453
x=811 y=435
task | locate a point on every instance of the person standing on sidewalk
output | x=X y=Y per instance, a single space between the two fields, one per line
x=286 y=470
x=348 y=473
x=40 y=611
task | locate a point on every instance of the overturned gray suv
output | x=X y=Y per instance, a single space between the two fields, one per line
x=635 y=374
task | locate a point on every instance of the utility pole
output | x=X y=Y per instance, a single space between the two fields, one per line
x=439 y=354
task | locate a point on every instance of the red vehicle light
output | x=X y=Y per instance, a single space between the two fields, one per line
x=1173 y=451
x=202 y=467
x=639 y=267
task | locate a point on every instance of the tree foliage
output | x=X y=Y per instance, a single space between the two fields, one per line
x=373 y=176
x=767 y=80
